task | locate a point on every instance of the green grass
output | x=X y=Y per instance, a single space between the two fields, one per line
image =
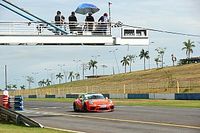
x=10 y=128
x=68 y=100
x=133 y=102
x=166 y=103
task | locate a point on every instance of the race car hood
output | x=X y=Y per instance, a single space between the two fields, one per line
x=100 y=101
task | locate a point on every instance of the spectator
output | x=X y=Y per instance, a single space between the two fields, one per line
x=89 y=21
x=59 y=21
x=72 y=22
x=103 y=23
x=58 y=18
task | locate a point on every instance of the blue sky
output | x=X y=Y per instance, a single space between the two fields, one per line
x=180 y=16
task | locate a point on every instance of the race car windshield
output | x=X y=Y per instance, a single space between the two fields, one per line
x=94 y=97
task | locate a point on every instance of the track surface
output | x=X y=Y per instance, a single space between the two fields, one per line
x=124 y=119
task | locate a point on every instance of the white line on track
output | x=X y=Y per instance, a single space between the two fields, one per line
x=65 y=130
x=120 y=120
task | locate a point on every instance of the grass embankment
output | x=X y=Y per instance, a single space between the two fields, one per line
x=162 y=80
x=10 y=128
x=133 y=102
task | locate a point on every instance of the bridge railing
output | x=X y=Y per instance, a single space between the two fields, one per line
x=38 y=28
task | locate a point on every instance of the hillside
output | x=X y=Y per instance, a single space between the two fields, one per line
x=162 y=80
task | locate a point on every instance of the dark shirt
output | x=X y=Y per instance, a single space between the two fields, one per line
x=101 y=19
x=57 y=19
x=89 y=18
x=72 y=18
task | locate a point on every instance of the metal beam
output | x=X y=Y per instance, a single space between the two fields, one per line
x=15 y=12
x=42 y=20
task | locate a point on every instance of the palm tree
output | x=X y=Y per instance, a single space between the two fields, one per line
x=30 y=80
x=59 y=76
x=131 y=59
x=22 y=87
x=14 y=86
x=125 y=62
x=77 y=75
x=157 y=60
x=161 y=52
x=71 y=76
x=188 y=47
x=92 y=64
x=145 y=55
x=42 y=83
x=47 y=82
x=9 y=86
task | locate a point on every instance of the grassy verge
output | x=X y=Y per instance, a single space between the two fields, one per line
x=10 y=128
x=133 y=102
x=166 y=103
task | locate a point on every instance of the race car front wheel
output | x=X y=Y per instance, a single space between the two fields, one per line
x=85 y=108
x=75 y=108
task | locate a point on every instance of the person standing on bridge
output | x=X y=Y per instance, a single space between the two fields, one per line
x=59 y=20
x=89 y=21
x=72 y=22
x=103 y=20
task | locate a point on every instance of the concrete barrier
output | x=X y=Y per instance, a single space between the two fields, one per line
x=187 y=96
x=138 y=96
x=40 y=96
x=61 y=96
x=119 y=96
x=72 y=96
x=32 y=96
x=50 y=96
x=162 y=96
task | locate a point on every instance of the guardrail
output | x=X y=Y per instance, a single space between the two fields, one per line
x=38 y=28
x=16 y=118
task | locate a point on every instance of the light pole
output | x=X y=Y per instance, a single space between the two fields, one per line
x=84 y=67
x=48 y=70
x=77 y=61
x=6 y=78
x=34 y=77
x=109 y=7
x=113 y=51
x=149 y=54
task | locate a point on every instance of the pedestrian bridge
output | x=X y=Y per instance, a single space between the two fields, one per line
x=38 y=33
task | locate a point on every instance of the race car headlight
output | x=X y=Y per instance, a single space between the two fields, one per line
x=90 y=102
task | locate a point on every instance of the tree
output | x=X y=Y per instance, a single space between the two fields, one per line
x=30 y=80
x=77 y=75
x=173 y=59
x=71 y=76
x=125 y=62
x=14 y=86
x=157 y=60
x=188 y=47
x=47 y=82
x=145 y=55
x=103 y=66
x=161 y=52
x=59 y=76
x=92 y=64
x=9 y=86
x=22 y=87
x=42 y=83
x=131 y=59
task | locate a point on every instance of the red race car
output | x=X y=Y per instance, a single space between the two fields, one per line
x=93 y=103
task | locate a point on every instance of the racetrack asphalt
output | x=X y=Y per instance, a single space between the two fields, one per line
x=135 y=119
